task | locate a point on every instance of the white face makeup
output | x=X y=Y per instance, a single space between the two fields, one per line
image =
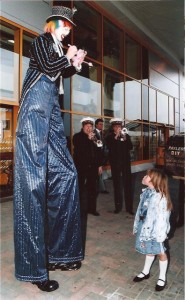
x=61 y=32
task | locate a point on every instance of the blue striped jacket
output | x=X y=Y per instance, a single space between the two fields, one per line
x=45 y=60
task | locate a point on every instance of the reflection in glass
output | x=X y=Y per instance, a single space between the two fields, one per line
x=87 y=33
x=162 y=108
x=112 y=46
x=153 y=142
x=6 y=151
x=67 y=128
x=132 y=58
x=113 y=94
x=134 y=130
x=132 y=99
x=145 y=68
x=86 y=90
x=27 y=40
x=76 y=124
x=145 y=103
x=9 y=64
x=65 y=99
x=149 y=141
x=152 y=105
x=171 y=111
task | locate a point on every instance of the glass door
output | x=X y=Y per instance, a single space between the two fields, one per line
x=6 y=151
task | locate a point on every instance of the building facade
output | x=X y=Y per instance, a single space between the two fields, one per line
x=128 y=80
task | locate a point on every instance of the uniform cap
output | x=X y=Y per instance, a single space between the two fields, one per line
x=87 y=120
x=115 y=121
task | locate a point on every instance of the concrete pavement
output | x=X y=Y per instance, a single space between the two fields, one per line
x=110 y=262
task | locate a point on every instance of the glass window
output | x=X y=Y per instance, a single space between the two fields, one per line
x=162 y=108
x=9 y=64
x=152 y=105
x=134 y=130
x=146 y=142
x=145 y=69
x=86 y=90
x=171 y=111
x=112 y=46
x=177 y=105
x=67 y=128
x=113 y=94
x=132 y=99
x=153 y=142
x=132 y=58
x=160 y=66
x=177 y=121
x=6 y=151
x=76 y=124
x=27 y=40
x=145 y=103
x=65 y=99
x=87 y=33
x=164 y=84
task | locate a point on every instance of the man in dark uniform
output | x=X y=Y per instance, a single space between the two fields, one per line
x=88 y=161
x=119 y=145
x=100 y=137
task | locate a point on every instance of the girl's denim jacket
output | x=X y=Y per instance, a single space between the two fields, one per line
x=156 y=224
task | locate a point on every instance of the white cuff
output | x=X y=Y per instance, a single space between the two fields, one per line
x=78 y=68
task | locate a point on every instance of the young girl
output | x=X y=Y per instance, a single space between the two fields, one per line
x=151 y=224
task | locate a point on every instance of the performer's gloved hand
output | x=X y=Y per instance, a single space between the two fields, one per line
x=79 y=58
x=71 y=52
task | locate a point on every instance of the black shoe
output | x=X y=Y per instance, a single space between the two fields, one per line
x=47 y=285
x=117 y=211
x=94 y=213
x=138 y=279
x=104 y=192
x=160 y=288
x=73 y=266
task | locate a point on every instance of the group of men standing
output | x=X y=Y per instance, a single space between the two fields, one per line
x=92 y=151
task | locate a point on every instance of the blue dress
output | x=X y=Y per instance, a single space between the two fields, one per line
x=147 y=246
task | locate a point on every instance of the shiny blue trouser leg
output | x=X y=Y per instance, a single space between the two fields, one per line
x=46 y=204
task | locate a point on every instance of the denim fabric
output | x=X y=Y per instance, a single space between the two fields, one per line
x=46 y=201
x=148 y=247
x=156 y=224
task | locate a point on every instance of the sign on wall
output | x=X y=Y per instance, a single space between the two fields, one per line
x=174 y=156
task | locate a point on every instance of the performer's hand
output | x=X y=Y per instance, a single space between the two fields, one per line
x=71 y=52
x=79 y=58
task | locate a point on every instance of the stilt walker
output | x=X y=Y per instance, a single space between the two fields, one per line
x=46 y=202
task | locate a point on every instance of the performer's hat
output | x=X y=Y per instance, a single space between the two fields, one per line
x=62 y=12
x=116 y=121
x=87 y=120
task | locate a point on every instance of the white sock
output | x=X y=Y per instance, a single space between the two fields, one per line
x=162 y=269
x=148 y=263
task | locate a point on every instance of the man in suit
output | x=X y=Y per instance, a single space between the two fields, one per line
x=119 y=145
